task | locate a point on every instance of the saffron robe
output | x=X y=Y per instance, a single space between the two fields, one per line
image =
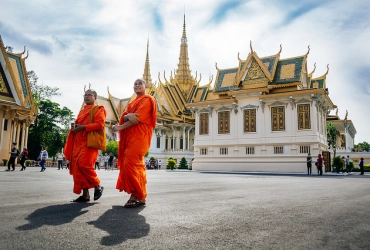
x=82 y=158
x=134 y=144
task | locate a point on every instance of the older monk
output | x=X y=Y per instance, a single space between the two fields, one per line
x=82 y=158
x=136 y=129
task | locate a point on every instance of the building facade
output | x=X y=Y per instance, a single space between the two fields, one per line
x=17 y=110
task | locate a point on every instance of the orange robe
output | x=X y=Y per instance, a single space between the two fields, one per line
x=134 y=144
x=81 y=158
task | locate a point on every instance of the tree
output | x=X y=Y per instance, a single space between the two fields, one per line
x=112 y=147
x=51 y=125
x=363 y=145
x=332 y=136
x=50 y=129
x=40 y=92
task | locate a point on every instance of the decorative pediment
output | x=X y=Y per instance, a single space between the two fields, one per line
x=254 y=74
x=277 y=103
x=304 y=101
x=249 y=106
x=224 y=109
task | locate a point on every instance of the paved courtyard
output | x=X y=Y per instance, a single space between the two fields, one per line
x=187 y=210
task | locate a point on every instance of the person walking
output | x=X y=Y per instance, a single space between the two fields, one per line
x=13 y=155
x=362 y=166
x=136 y=128
x=23 y=157
x=309 y=164
x=348 y=165
x=81 y=157
x=319 y=163
x=60 y=157
x=43 y=156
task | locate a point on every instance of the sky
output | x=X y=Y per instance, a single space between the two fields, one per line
x=73 y=43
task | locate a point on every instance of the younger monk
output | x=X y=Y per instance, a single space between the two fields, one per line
x=82 y=158
x=136 y=129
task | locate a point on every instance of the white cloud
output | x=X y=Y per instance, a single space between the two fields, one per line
x=74 y=43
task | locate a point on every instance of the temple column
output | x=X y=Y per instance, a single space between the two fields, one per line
x=173 y=138
x=18 y=133
x=189 y=138
x=183 y=138
x=23 y=134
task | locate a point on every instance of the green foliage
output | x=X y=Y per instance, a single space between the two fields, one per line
x=146 y=154
x=337 y=163
x=332 y=136
x=40 y=92
x=5 y=161
x=363 y=146
x=50 y=129
x=183 y=163
x=171 y=163
x=152 y=160
x=112 y=147
x=27 y=162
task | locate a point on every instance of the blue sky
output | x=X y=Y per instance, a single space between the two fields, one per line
x=74 y=43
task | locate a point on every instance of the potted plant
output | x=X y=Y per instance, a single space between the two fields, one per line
x=5 y=161
x=28 y=163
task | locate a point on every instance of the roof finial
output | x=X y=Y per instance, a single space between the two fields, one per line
x=281 y=48
x=26 y=55
x=216 y=66
x=24 y=50
x=314 y=68
x=308 y=52
x=250 y=45
x=327 y=66
x=238 y=56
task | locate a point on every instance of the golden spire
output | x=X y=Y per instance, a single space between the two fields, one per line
x=146 y=76
x=183 y=73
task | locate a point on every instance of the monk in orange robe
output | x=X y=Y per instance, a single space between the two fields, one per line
x=82 y=158
x=136 y=129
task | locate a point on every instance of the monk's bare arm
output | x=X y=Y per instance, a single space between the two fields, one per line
x=132 y=117
x=123 y=126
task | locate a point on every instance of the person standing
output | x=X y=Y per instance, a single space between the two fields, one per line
x=348 y=165
x=136 y=128
x=110 y=161
x=309 y=164
x=81 y=157
x=97 y=162
x=159 y=164
x=23 y=156
x=106 y=158
x=60 y=160
x=319 y=164
x=13 y=155
x=43 y=156
x=362 y=166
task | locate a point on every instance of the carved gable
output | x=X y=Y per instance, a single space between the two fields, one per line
x=255 y=74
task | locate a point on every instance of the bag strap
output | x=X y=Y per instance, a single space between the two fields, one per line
x=93 y=112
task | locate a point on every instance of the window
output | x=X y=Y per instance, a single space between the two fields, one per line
x=278 y=118
x=223 y=151
x=166 y=142
x=172 y=142
x=278 y=150
x=158 y=142
x=203 y=124
x=224 y=122
x=5 y=124
x=304 y=149
x=249 y=120
x=203 y=151
x=181 y=143
x=249 y=150
x=304 y=121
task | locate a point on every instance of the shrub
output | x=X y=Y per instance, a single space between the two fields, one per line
x=183 y=163
x=28 y=163
x=171 y=163
x=5 y=161
x=337 y=163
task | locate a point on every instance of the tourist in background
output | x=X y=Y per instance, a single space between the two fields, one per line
x=60 y=157
x=23 y=157
x=309 y=164
x=319 y=163
x=362 y=166
x=43 y=157
x=13 y=155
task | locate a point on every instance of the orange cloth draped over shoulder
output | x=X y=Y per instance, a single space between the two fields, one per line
x=134 y=144
x=82 y=158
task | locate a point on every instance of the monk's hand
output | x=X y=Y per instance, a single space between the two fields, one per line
x=79 y=127
x=132 y=117
x=116 y=127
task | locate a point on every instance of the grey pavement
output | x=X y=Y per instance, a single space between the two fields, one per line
x=187 y=210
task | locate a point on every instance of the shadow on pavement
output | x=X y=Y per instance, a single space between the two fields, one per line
x=121 y=224
x=48 y=215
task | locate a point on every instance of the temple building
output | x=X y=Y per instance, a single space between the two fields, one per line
x=17 y=110
x=263 y=114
